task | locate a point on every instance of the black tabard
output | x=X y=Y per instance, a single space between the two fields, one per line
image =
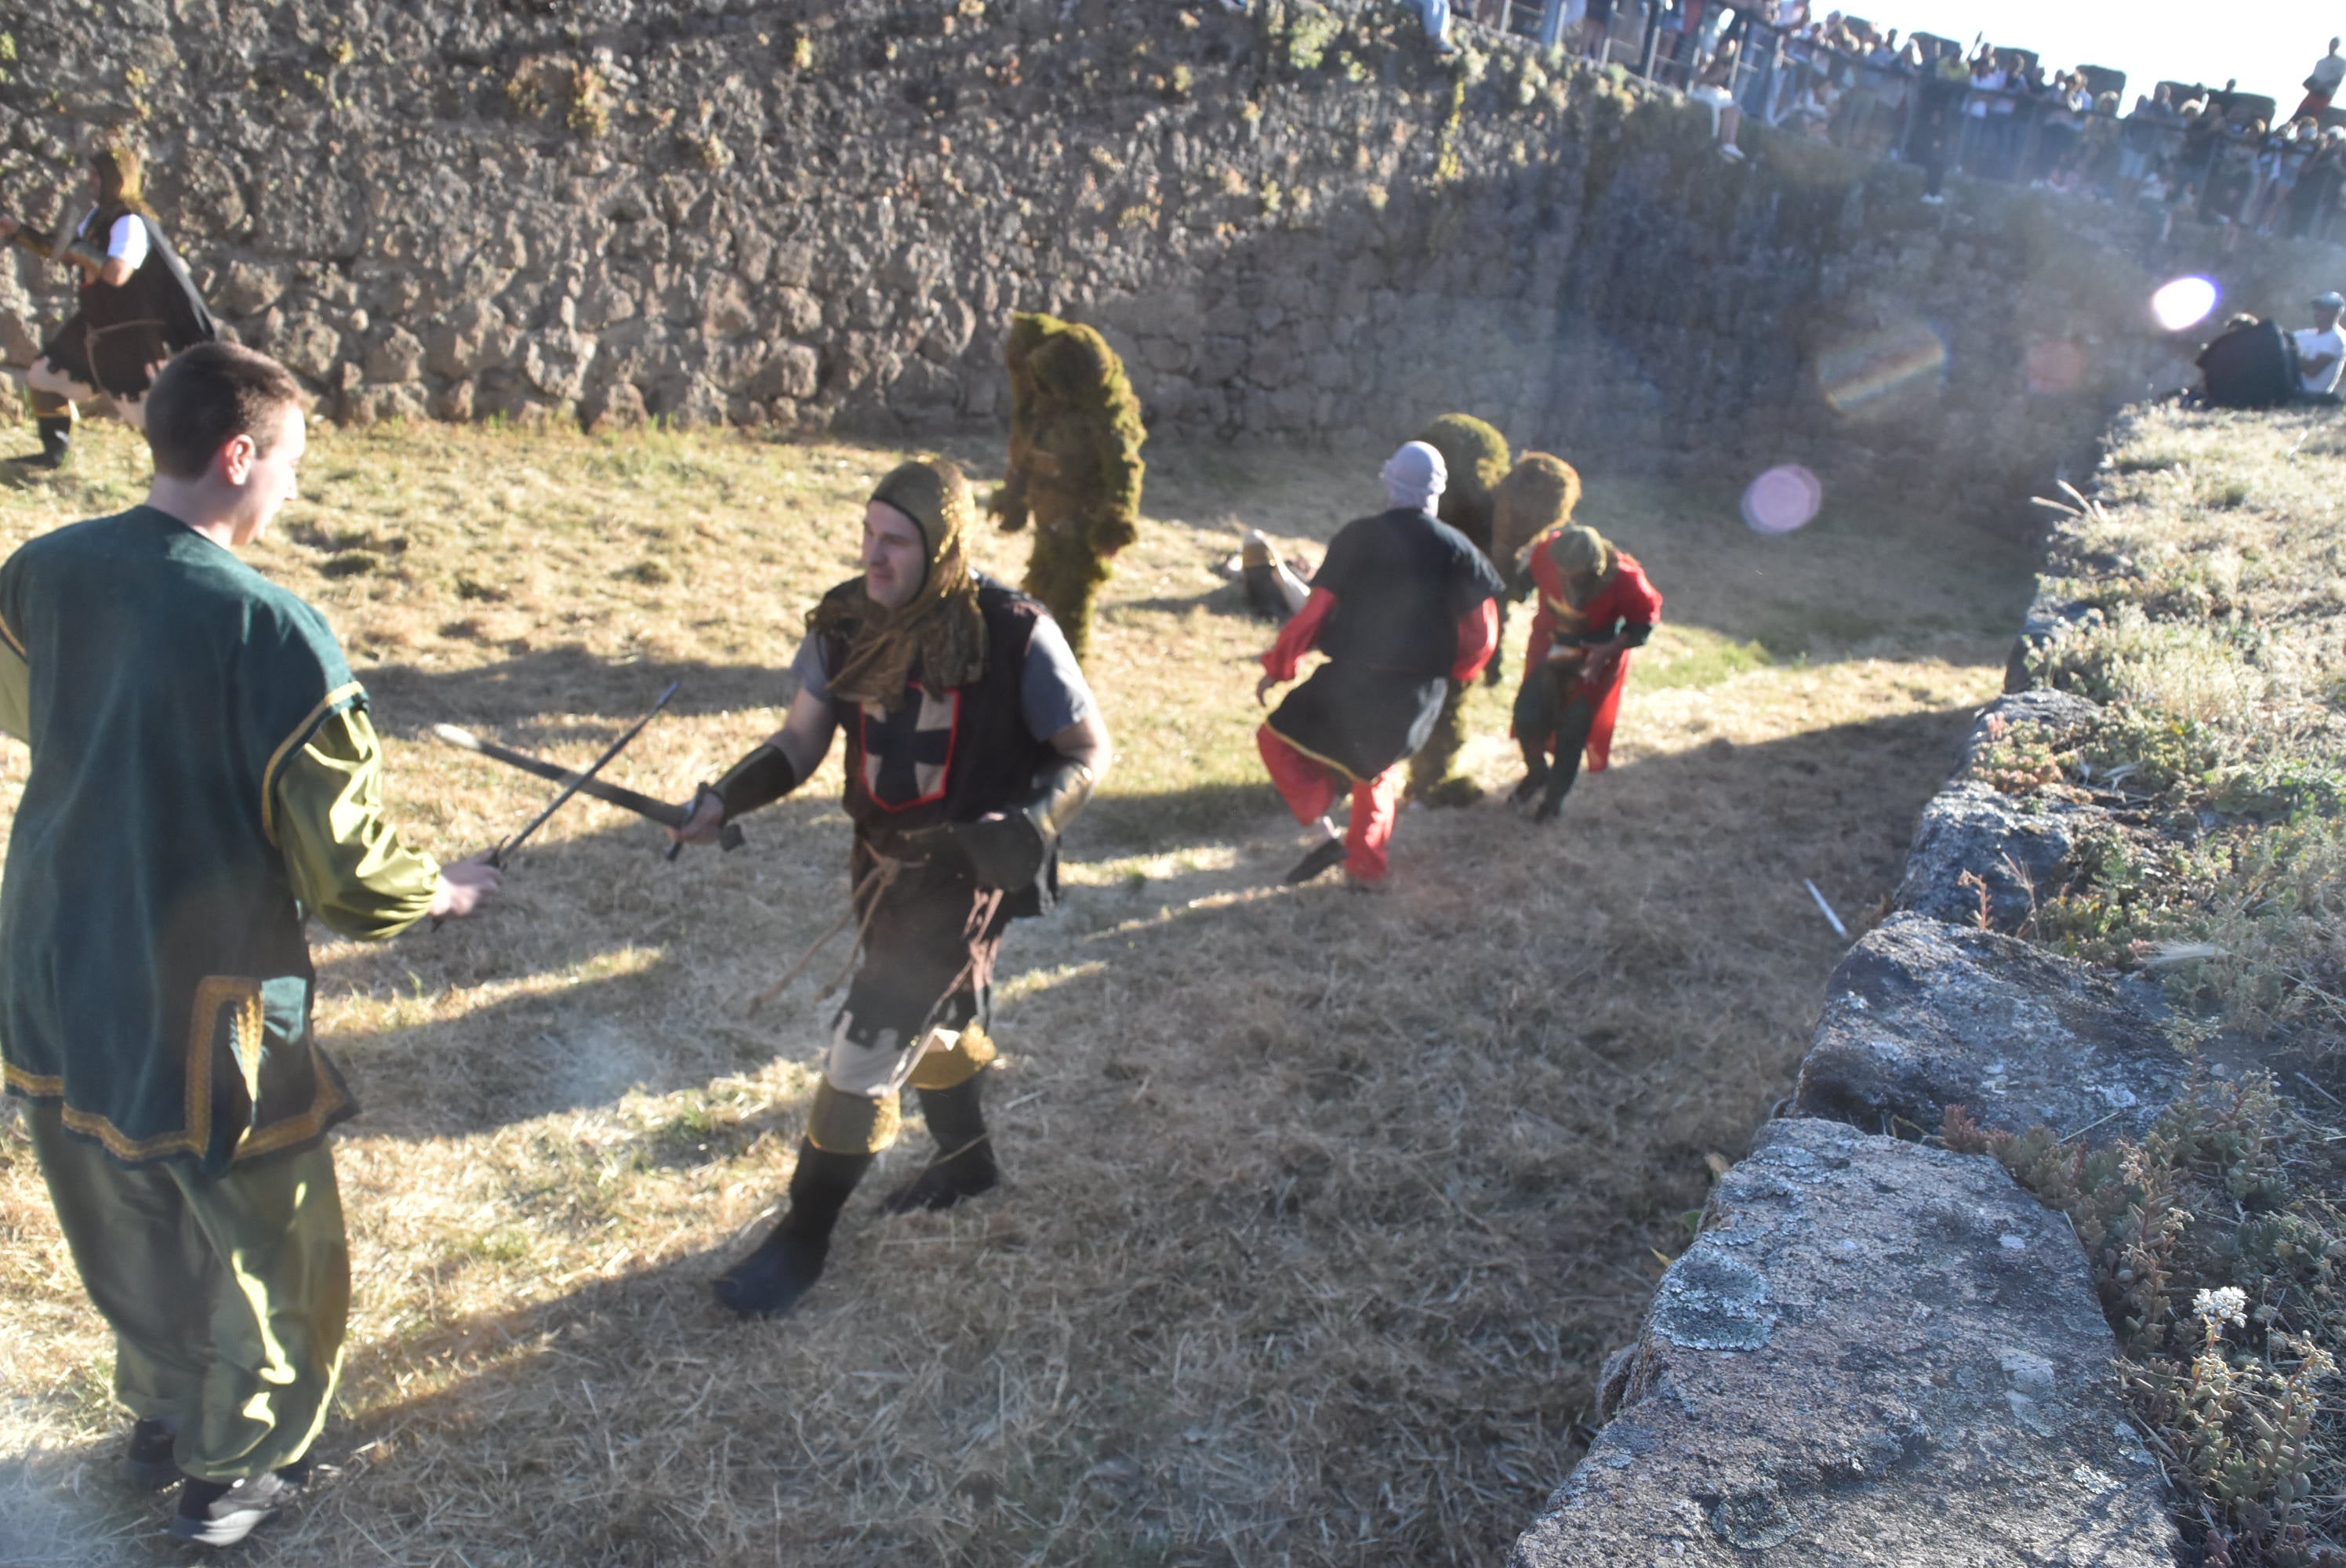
x=1401 y=582
x=951 y=756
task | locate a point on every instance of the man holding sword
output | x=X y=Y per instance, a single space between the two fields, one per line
x=204 y=778
x=972 y=742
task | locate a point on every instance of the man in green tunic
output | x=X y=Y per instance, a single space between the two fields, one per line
x=204 y=778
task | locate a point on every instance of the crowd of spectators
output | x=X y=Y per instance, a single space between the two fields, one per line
x=2216 y=154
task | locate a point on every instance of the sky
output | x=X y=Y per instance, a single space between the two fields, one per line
x=2269 y=45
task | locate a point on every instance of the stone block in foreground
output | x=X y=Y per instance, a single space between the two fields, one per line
x=1920 y=1014
x=1877 y=1353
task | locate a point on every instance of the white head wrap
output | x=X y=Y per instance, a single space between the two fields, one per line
x=1415 y=475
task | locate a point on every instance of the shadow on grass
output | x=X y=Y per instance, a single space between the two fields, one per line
x=612 y=970
x=410 y=698
x=1291 y=1139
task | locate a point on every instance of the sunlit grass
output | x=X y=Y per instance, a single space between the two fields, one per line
x=1322 y=1209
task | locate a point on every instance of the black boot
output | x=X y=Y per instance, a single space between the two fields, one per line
x=57 y=440
x=964 y=1165
x=786 y=1265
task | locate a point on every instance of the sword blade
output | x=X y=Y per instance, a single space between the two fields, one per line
x=660 y=811
x=497 y=856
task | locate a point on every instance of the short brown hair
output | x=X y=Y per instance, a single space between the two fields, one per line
x=207 y=397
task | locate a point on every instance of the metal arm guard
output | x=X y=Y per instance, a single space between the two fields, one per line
x=1010 y=852
x=760 y=778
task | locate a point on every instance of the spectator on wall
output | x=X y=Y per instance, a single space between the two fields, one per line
x=1711 y=91
x=2314 y=197
x=2322 y=83
x=1941 y=107
x=1988 y=80
x=2144 y=139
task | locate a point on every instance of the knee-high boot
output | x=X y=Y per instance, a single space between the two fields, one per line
x=790 y=1260
x=963 y=1164
x=53 y=418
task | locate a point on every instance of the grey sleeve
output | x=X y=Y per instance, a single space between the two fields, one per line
x=808 y=666
x=1052 y=693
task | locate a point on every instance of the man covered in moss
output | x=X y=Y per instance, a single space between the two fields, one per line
x=1475 y=456
x=1074 y=463
x=971 y=743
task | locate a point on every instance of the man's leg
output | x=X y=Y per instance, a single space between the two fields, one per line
x=279 y=1306
x=1571 y=729
x=920 y=958
x=1431 y=778
x=143 y=1262
x=1309 y=790
x=950 y=1078
x=1374 y=810
x=1535 y=722
x=53 y=388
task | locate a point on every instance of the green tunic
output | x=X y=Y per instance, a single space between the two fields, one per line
x=203 y=777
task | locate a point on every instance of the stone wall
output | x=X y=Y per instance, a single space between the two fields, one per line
x=1877 y=1351
x=821 y=218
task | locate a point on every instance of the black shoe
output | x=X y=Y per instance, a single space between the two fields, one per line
x=947 y=1181
x=770 y=1281
x=57 y=440
x=1320 y=859
x=1528 y=791
x=147 y=1462
x=221 y=1513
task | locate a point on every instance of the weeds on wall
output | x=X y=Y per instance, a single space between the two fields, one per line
x=2220 y=1276
x=2211 y=630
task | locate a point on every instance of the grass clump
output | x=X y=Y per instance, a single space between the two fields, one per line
x=2217 y=643
x=2219 y=1270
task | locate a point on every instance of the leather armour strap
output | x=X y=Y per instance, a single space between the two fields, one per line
x=760 y=778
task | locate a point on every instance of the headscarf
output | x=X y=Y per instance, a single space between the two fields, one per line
x=1583 y=549
x=1416 y=476
x=121 y=179
x=939 y=631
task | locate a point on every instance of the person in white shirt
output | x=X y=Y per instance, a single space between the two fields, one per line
x=2321 y=84
x=2321 y=348
x=136 y=308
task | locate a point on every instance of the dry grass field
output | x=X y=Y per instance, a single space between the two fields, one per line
x=1322 y=1209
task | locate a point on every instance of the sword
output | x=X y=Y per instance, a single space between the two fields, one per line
x=660 y=811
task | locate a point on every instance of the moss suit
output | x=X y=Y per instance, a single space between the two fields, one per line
x=1074 y=463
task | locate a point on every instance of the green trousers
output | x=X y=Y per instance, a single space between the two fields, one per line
x=228 y=1297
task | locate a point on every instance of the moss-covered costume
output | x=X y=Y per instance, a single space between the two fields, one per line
x=1476 y=457
x=203 y=777
x=1074 y=463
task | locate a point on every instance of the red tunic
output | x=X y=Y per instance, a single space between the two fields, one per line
x=1628 y=597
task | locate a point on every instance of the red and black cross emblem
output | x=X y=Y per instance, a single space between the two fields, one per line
x=908 y=754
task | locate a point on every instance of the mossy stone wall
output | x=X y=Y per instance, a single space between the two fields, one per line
x=1291 y=226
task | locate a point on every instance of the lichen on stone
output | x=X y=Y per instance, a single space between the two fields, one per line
x=1711 y=1302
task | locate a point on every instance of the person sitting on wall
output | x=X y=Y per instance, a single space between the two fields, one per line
x=137 y=307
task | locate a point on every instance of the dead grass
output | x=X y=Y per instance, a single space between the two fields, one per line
x=1323 y=1208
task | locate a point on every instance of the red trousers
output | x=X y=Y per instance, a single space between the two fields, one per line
x=1309 y=788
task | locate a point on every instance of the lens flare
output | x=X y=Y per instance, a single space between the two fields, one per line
x=1883 y=369
x=1785 y=497
x=2184 y=302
